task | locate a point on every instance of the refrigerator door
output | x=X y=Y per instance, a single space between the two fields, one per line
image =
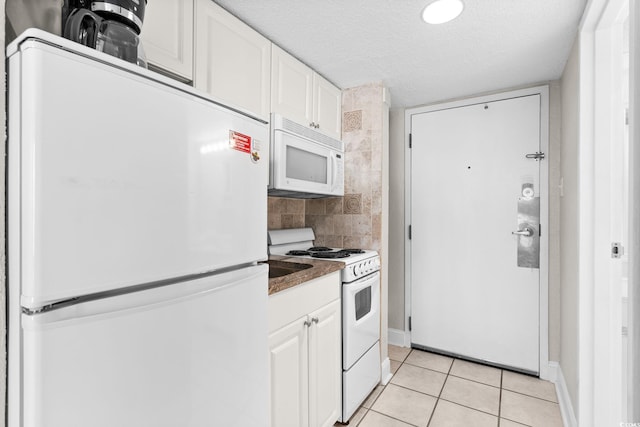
x=191 y=354
x=122 y=180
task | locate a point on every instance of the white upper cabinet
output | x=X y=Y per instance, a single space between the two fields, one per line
x=327 y=107
x=167 y=36
x=302 y=95
x=291 y=87
x=232 y=61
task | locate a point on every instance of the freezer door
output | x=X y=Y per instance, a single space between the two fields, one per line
x=123 y=180
x=192 y=354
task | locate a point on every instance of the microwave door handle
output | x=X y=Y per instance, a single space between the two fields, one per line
x=334 y=170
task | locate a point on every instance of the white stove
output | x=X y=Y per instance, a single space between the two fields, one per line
x=298 y=242
x=360 y=310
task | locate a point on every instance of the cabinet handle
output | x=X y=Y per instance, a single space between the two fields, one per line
x=315 y=320
x=307 y=323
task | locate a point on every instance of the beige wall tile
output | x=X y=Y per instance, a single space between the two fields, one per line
x=291 y=220
x=334 y=206
x=342 y=225
x=352 y=203
x=294 y=206
x=316 y=206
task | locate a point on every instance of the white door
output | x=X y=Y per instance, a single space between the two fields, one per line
x=469 y=175
x=190 y=354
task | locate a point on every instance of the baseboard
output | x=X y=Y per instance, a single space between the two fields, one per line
x=566 y=408
x=398 y=337
x=385 y=372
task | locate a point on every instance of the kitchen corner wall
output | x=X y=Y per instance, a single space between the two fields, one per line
x=355 y=220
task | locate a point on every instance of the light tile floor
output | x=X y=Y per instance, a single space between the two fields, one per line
x=430 y=390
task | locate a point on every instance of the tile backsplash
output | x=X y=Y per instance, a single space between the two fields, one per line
x=355 y=220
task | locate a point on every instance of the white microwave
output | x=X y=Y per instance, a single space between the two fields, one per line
x=304 y=163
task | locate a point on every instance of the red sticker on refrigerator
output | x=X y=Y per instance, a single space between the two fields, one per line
x=239 y=141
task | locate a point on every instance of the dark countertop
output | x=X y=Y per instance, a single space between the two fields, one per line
x=318 y=268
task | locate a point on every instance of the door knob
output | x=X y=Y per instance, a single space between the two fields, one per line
x=527 y=232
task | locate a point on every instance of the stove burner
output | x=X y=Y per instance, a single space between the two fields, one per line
x=319 y=249
x=298 y=253
x=353 y=251
x=337 y=254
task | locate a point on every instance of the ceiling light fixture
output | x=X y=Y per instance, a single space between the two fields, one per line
x=441 y=11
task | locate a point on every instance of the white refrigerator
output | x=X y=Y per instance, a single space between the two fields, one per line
x=136 y=220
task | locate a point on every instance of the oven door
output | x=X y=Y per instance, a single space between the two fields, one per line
x=361 y=317
x=301 y=165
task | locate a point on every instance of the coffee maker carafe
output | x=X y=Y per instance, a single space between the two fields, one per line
x=110 y=26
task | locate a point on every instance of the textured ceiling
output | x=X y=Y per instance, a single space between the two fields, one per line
x=494 y=44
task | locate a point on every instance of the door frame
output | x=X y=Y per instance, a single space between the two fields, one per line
x=545 y=371
x=599 y=306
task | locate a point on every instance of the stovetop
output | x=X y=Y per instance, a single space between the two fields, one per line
x=348 y=256
x=325 y=252
x=299 y=243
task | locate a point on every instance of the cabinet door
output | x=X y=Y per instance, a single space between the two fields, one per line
x=288 y=363
x=291 y=87
x=327 y=107
x=167 y=36
x=232 y=61
x=325 y=368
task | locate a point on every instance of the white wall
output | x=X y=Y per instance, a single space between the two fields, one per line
x=3 y=255
x=569 y=237
x=634 y=297
x=397 y=230
x=555 y=176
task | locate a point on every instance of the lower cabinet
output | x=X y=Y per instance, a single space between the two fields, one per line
x=305 y=366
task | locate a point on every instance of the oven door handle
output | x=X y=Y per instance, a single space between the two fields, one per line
x=362 y=283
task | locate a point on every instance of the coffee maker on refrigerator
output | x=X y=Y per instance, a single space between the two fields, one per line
x=110 y=26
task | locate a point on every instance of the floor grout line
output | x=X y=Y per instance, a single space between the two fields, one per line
x=500 y=398
x=529 y=395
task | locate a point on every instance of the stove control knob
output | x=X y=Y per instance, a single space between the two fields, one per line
x=354 y=269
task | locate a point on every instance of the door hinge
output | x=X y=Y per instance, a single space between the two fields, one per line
x=538 y=155
x=409 y=232
x=409 y=323
x=410 y=141
x=617 y=250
